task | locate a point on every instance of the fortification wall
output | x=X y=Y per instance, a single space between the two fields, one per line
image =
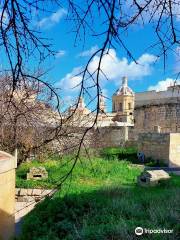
x=109 y=136
x=167 y=116
x=171 y=95
x=112 y=136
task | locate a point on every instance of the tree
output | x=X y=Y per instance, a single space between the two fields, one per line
x=26 y=121
x=21 y=42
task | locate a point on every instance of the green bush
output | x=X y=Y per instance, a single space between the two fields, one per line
x=120 y=153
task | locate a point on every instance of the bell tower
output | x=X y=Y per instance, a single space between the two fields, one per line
x=102 y=105
x=123 y=103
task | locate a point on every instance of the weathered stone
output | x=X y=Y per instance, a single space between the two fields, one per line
x=29 y=192
x=161 y=146
x=20 y=199
x=18 y=191
x=23 y=192
x=30 y=199
x=37 y=173
x=25 y=199
x=46 y=192
x=152 y=177
x=36 y=192
x=38 y=198
x=164 y=114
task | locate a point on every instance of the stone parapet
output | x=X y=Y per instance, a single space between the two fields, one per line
x=8 y=164
x=26 y=200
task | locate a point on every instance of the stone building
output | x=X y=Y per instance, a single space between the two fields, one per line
x=138 y=112
x=106 y=129
x=122 y=109
x=123 y=103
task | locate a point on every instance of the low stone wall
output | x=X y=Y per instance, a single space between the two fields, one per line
x=112 y=136
x=161 y=146
x=174 y=152
x=155 y=145
x=26 y=199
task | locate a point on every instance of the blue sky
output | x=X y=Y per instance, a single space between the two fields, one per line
x=71 y=57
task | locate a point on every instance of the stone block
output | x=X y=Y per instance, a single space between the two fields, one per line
x=36 y=192
x=20 y=199
x=45 y=192
x=23 y=192
x=37 y=173
x=152 y=177
x=29 y=199
x=18 y=191
x=29 y=192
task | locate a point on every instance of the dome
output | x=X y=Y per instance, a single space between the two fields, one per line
x=124 y=89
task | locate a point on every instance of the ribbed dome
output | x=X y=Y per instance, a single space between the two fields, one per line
x=124 y=89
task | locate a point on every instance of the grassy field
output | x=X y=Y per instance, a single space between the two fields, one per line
x=100 y=201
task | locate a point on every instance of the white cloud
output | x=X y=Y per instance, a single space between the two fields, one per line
x=88 y=52
x=164 y=84
x=53 y=19
x=113 y=67
x=71 y=81
x=60 y=53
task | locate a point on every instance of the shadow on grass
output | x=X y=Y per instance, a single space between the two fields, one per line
x=108 y=213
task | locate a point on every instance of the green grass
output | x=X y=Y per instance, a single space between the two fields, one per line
x=92 y=172
x=100 y=201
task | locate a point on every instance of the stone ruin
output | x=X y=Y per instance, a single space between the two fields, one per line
x=152 y=177
x=37 y=173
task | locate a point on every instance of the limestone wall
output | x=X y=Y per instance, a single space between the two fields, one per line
x=26 y=200
x=170 y=95
x=109 y=136
x=155 y=145
x=167 y=116
x=112 y=136
x=7 y=195
x=174 y=152
x=161 y=146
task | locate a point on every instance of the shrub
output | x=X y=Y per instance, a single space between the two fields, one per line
x=120 y=153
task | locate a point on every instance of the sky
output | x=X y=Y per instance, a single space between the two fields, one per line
x=71 y=56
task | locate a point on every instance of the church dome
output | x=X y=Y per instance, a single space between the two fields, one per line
x=124 y=89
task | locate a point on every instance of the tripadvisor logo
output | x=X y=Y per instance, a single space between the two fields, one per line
x=139 y=231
